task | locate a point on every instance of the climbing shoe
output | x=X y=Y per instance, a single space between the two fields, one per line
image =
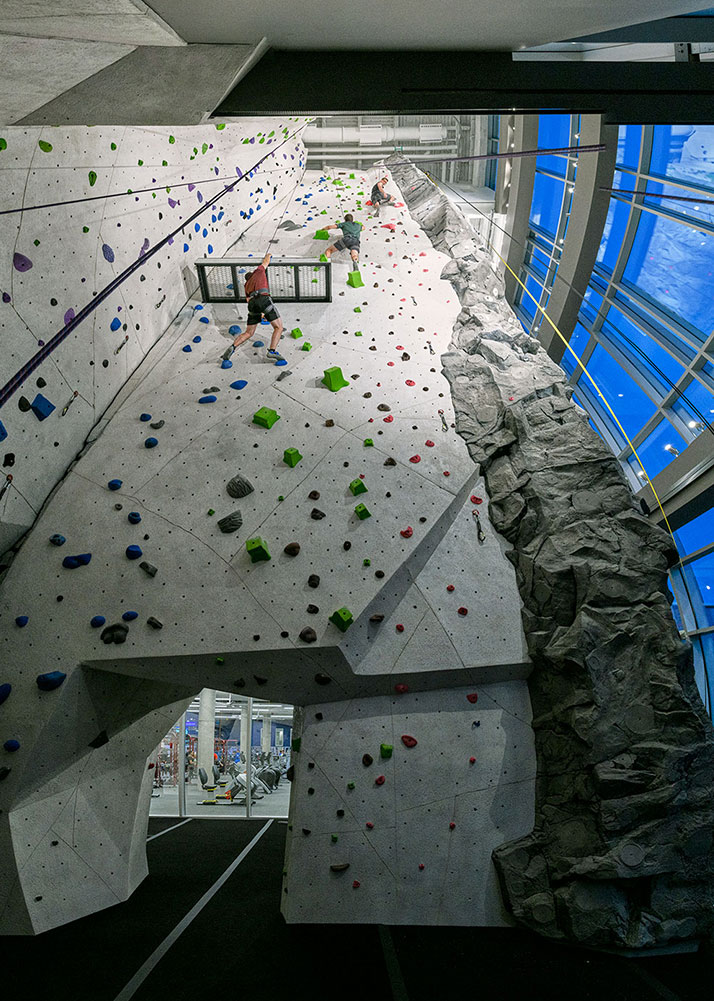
x=276 y=357
x=228 y=352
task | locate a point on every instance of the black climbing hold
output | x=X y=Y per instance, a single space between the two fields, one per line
x=9 y=459
x=157 y=425
x=306 y=830
x=41 y=383
x=316 y=514
x=24 y=404
x=256 y=637
x=405 y=356
x=50 y=681
x=312 y=609
x=285 y=634
x=4 y=772
x=379 y=574
x=154 y=623
x=116 y=633
x=231 y=523
x=310 y=791
x=313 y=580
x=314 y=495
x=383 y=407
x=390 y=461
x=259 y=680
x=310 y=764
x=118 y=507
x=340 y=813
x=422 y=520
x=308 y=635
x=148 y=568
x=100 y=740
x=322 y=679
x=367 y=760
x=239 y=486
x=388 y=494
x=239 y=683
x=292 y=549
x=319 y=717
x=366 y=396
x=377 y=617
x=347 y=545
x=329 y=423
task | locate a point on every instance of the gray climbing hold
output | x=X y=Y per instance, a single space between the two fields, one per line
x=292 y=549
x=154 y=623
x=48 y=682
x=148 y=568
x=383 y=407
x=339 y=867
x=367 y=760
x=231 y=523
x=308 y=635
x=239 y=486
x=284 y=375
x=116 y=633
x=157 y=425
x=377 y=617
x=313 y=580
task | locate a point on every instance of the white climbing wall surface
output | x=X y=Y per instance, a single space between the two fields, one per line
x=432 y=660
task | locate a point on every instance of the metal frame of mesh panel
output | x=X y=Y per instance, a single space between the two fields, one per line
x=221 y=280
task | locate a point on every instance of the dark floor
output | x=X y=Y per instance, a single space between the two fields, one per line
x=238 y=944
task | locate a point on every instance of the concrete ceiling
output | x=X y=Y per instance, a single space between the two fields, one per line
x=406 y=24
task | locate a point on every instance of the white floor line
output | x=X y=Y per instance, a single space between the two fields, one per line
x=143 y=972
x=166 y=831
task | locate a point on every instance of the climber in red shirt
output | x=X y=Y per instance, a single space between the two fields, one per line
x=260 y=304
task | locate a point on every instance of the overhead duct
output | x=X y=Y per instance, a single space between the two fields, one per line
x=374 y=135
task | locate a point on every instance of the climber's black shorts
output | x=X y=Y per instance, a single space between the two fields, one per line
x=261 y=305
x=378 y=196
x=347 y=243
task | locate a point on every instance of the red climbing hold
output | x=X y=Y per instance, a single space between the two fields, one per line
x=391 y=364
x=150 y=766
x=511 y=398
x=449 y=587
x=421 y=866
x=429 y=443
x=476 y=500
x=409 y=741
x=406 y=533
x=463 y=611
x=401 y=689
x=447 y=473
x=355 y=884
x=388 y=420
x=369 y=825
x=473 y=698
x=388 y=225
x=410 y=382
x=361 y=476
x=415 y=459
x=399 y=347
x=400 y=628
x=452 y=825
x=380 y=780
x=472 y=761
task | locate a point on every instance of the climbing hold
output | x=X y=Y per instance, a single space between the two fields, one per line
x=421 y=866
x=342 y=618
x=133 y=552
x=368 y=442
x=415 y=459
x=323 y=679
x=226 y=363
x=239 y=384
x=388 y=419
x=306 y=346
x=308 y=635
x=389 y=461
x=41 y=407
x=407 y=532
x=57 y=539
x=472 y=698
x=316 y=514
x=265 y=417
x=409 y=741
x=211 y=398
x=380 y=780
x=145 y=417
x=367 y=760
x=366 y=562
x=257 y=549
x=50 y=681
x=96 y=621
x=362 y=512
x=377 y=617
x=12 y=745
x=5 y=690
x=449 y=587
x=134 y=517
x=296 y=332
x=72 y=562
x=314 y=495
x=148 y=568
x=356 y=884
x=472 y=761
x=476 y=500
x=452 y=825
x=334 y=379
x=313 y=580
x=385 y=750
x=340 y=867
x=463 y=611
x=239 y=486
x=321 y=234
x=130 y=616
x=187 y=348
x=291 y=457
x=350 y=785
x=429 y=443
x=264 y=681
x=292 y=549
x=4 y=772
x=153 y=442
x=21 y=621
x=329 y=423
x=115 y=484
x=357 y=487
x=334 y=838
x=354 y=279
x=401 y=689
x=231 y=523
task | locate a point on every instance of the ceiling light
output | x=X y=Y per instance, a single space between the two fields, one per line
x=670 y=448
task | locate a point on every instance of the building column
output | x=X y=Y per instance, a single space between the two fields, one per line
x=206 y=731
x=265 y=737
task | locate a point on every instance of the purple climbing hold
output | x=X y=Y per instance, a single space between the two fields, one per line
x=144 y=247
x=50 y=681
x=108 y=253
x=69 y=316
x=133 y=552
x=173 y=204
x=21 y=263
x=5 y=690
x=21 y=621
x=6 y=297
x=239 y=384
x=115 y=484
x=96 y=621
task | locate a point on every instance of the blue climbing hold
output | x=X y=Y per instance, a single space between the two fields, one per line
x=134 y=517
x=12 y=745
x=208 y=399
x=187 y=348
x=226 y=363
x=264 y=323
x=203 y=319
x=115 y=324
x=145 y=417
x=198 y=307
x=133 y=552
x=259 y=344
x=72 y=562
x=96 y=621
x=130 y=616
x=5 y=691
x=151 y=442
x=22 y=621
x=234 y=329
x=239 y=384
x=3 y=432
x=41 y=407
x=48 y=682
x=57 y=539
x=115 y=484
x=197 y=339
x=281 y=361
x=185 y=247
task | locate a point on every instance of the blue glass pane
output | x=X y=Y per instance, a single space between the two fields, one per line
x=554 y=163
x=592 y=301
x=624 y=181
x=628 y=145
x=652 y=452
x=539 y=261
x=643 y=350
x=612 y=234
x=696 y=403
x=696 y=534
x=553 y=131
x=547 y=202
x=696 y=211
x=578 y=340
x=680 y=348
x=685 y=152
x=631 y=406
x=527 y=304
x=700 y=575
x=674 y=265
x=704 y=667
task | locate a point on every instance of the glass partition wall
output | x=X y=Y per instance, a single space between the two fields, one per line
x=226 y=756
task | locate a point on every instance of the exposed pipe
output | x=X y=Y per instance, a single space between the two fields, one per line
x=373 y=150
x=356 y=134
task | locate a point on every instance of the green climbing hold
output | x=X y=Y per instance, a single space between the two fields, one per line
x=296 y=332
x=324 y=258
x=164 y=163
x=366 y=563
x=350 y=785
x=357 y=487
x=321 y=234
x=112 y=145
x=257 y=549
x=220 y=660
x=356 y=310
x=140 y=163
x=342 y=618
x=265 y=417
x=45 y=146
x=307 y=346
x=358 y=333
x=3 y=143
x=385 y=750
x=281 y=498
x=172 y=140
x=352 y=177
x=85 y=229
x=354 y=279
x=92 y=178
x=220 y=126
x=204 y=148
x=368 y=441
x=36 y=243
x=333 y=838
x=362 y=512
x=334 y=379
x=291 y=457
x=210 y=511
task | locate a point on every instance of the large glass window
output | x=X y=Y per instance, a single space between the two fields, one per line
x=685 y=152
x=615 y=225
x=629 y=403
x=628 y=145
x=547 y=201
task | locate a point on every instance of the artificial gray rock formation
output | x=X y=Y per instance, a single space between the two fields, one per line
x=621 y=852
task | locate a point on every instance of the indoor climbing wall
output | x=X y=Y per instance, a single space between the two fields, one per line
x=315 y=533
x=96 y=201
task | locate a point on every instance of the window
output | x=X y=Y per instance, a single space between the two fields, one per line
x=629 y=403
x=685 y=152
x=547 y=202
x=656 y=452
